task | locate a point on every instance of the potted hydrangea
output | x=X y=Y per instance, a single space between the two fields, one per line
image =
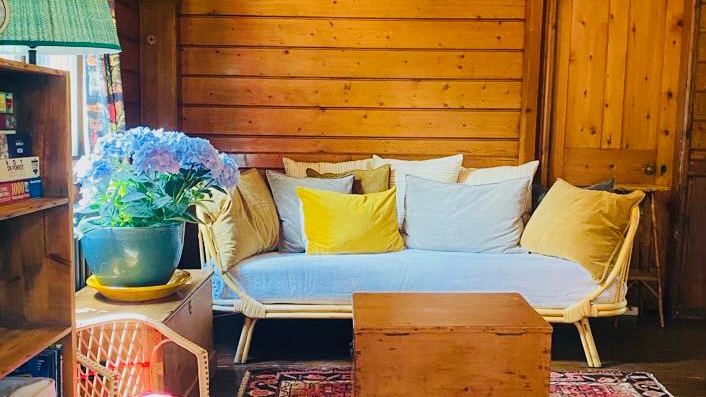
x=137 y=190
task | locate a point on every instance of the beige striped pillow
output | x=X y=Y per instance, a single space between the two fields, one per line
x=464 y=173
x=298 y=169
x=444 y=169
x=484 y=176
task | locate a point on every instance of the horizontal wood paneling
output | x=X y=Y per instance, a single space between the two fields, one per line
x=697 y=168
x=274 y=160
x=698 y=135
x=699 y=106
x=473 y=9
x=413 y=78
x=365 y=146
x=352 y=122
x=692 y=244
x=697 y=154
x=346 y=63
x=700 y=77
x=357 y=33
x=695 y=285
x=701 y=50
x=352 y=93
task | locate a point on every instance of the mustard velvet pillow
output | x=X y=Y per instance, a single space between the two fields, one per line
x=583 y=226
x=241 y=223
x=365 y=182
x=337 y=223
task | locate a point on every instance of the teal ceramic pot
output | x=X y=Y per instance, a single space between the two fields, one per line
x=133 y=256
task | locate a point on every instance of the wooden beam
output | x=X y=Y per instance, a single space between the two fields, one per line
x=158 y=63
x=531 y=73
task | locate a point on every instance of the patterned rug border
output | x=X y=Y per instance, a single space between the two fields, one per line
x=615 y=371
x=248 y=374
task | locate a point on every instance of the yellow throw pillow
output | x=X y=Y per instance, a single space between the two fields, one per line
x=584 y=226
x=337 y=223
x=366 y=181
x=242 y=223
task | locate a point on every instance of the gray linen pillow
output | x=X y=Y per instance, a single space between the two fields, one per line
x=462 y=218
x=287 y=203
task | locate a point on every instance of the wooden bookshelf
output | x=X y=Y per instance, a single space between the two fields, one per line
x=36 y=243
x=26 y=207
x=21 y=344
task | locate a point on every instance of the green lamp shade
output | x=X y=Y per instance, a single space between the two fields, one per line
x=59 y=26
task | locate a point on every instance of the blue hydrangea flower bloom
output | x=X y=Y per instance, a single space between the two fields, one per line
x=148 y=169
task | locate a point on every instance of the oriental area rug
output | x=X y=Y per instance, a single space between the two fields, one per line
x=338 y=382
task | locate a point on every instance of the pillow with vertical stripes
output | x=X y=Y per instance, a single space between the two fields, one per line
x=444 y=169
x=484 y=176
x=298 y=169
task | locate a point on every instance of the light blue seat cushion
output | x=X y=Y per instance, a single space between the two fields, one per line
x=296 y=278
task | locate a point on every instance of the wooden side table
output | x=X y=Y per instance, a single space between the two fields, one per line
x=653 y=281
x=187 y=312
x=449 y=345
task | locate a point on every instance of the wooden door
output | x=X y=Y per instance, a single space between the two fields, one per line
x=617 y=87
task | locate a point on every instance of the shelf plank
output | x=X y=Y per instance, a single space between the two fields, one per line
x=29 y=206
x=21 y=344
x=641 y=275
x=21 y=67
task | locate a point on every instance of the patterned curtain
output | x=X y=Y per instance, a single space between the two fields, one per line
x=104 y=94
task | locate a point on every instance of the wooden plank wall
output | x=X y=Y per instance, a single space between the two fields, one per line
x=128 y=20
x=693 y=293
x=618 y=83
x=335 y=80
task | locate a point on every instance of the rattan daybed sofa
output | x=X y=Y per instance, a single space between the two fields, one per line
x=311 y=287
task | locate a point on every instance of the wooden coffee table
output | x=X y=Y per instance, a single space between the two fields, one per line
x=449 y=345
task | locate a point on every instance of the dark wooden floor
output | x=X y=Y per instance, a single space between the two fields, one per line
x=676 y=355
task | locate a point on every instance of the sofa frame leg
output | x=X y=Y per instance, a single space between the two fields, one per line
x=588 y=343
x=241 y=353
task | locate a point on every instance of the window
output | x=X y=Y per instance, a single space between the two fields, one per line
x=79 y=121
x=74 y=64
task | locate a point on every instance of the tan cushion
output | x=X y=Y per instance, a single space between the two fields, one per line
x=583 y=226
x=244 y=222
x=298 y=169
x=366 y=181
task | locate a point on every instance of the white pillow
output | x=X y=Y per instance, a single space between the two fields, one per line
x=484 y=176
x=444 y=169
x=461 y=218
x=297 y=169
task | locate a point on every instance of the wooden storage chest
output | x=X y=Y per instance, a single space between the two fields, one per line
x=449 y=345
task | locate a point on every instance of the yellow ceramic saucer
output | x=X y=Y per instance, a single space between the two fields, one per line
x=139 y=294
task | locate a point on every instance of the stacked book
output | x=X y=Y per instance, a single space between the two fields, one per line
x=47 y=364
x=19 y=169
x=8 y=121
